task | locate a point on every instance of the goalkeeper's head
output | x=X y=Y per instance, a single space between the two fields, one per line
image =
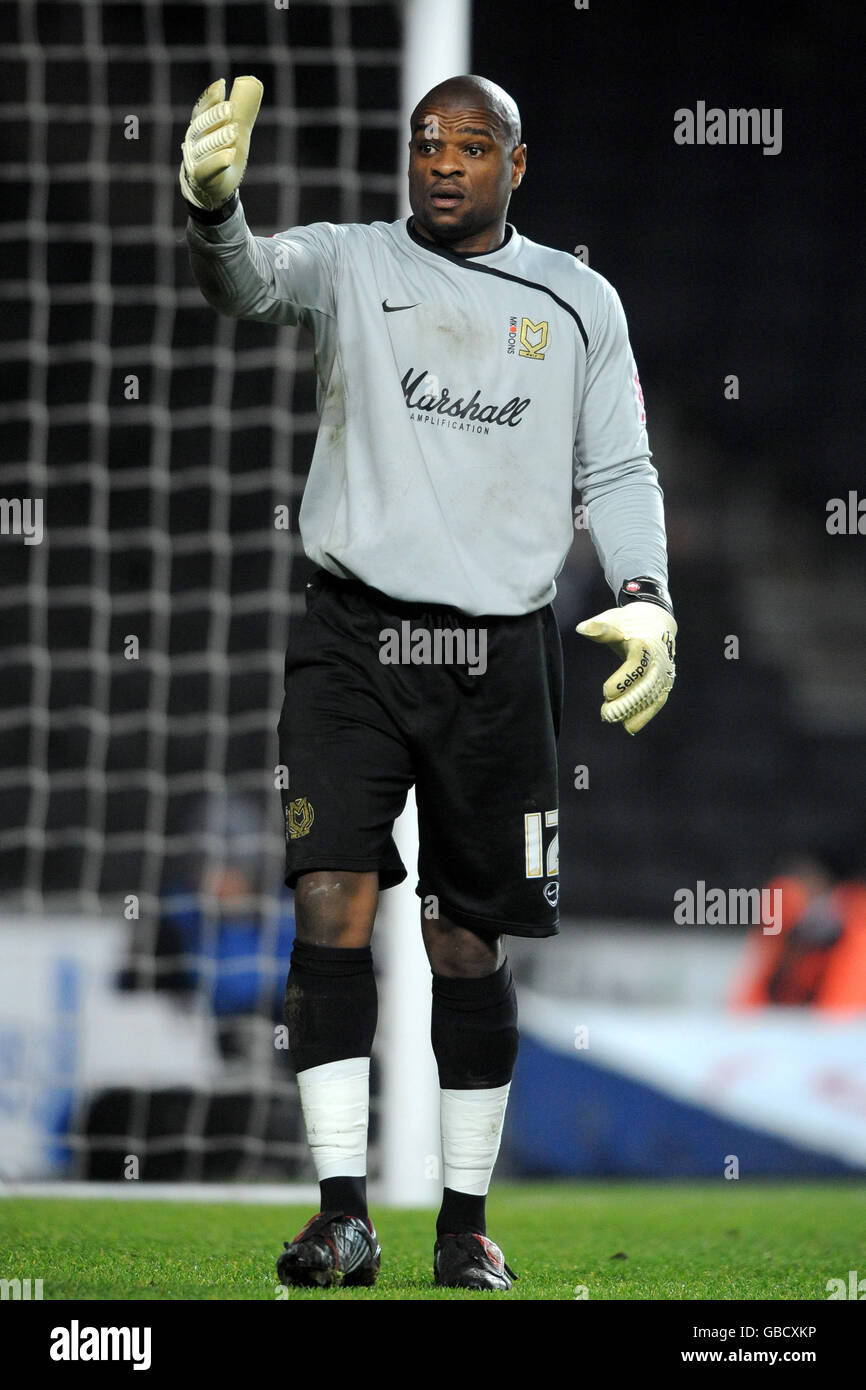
x=466 y=157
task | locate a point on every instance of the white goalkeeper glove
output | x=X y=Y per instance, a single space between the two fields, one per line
x=217 y=141
x=642 y=636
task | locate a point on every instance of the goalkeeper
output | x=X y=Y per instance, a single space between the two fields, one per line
x=465 y=374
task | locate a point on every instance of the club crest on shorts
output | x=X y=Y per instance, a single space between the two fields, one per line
x=299 y=817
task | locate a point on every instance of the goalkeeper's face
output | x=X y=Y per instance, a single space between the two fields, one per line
x=463 y=168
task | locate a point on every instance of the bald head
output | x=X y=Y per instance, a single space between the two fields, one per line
x=465 y=161
x=479 y=92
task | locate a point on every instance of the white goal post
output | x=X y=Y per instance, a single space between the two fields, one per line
x=436 y=46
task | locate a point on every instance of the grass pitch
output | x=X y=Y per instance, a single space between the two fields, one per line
x=725 y=1240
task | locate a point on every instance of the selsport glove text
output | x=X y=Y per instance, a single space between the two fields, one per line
x=643 y=636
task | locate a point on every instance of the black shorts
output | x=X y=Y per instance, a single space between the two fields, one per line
x=477 y=738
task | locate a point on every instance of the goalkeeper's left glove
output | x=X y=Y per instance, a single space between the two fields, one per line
x=642 y=634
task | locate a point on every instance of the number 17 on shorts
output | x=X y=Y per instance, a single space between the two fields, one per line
x=542 y=850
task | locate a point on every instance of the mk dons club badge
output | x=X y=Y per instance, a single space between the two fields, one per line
x=299 y=818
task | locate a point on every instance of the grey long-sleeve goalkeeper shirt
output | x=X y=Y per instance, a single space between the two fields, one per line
x=458 y=395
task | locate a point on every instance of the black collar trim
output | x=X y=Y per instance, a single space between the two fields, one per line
x=461 y=255
x=468 y=259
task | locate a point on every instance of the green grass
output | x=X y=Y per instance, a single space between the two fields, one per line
x=717 y=1240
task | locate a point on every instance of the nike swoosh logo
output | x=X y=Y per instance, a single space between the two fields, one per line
x=395 y=308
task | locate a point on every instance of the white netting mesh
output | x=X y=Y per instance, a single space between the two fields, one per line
x=160 y=439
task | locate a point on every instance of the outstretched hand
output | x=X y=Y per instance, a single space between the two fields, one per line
x=217 y=141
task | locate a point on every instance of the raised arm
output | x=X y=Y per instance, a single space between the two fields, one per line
x=273 y=279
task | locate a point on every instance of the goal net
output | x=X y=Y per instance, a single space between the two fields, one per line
x=153 y=459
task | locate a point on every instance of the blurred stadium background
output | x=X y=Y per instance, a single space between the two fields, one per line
x=144 y=933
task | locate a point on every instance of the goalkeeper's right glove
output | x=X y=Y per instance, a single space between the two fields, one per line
x=217 y=141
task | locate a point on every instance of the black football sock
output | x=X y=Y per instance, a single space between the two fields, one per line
x=331 y=1006
x=331 y=1011
x=473 y=1028
x=348 y=1195
x=461 y=1211
x=475 y=1041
